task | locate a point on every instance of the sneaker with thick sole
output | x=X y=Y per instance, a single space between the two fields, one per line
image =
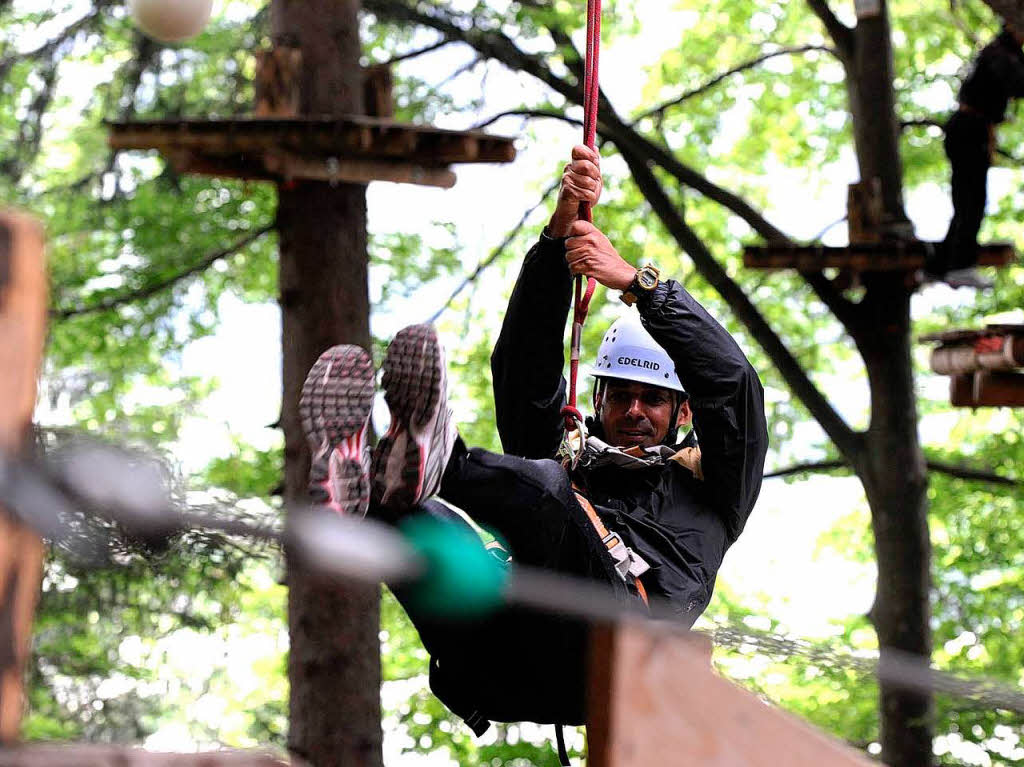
x=335 y=409
x=411 y=457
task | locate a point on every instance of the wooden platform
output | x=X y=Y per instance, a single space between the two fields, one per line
x=986 y=366
x=656 y=701
x=972 y=335
x=987 y=389
x=892 y=256
x=351 y=149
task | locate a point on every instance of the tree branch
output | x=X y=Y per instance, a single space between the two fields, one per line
x=411 y=54
x=496 y=45
x=541 y=113
x=972 y=475
x=807 y=468
x=940 y=467
x=845 y=438
x=920 y=122
x=52 y=46
x=146 y=291
x=494 y=254
x=842 y=35
x=750 y=64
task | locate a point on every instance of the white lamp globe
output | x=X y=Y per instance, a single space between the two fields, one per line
x=171 y=21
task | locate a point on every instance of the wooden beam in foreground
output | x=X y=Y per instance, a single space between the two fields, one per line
x=656 y=701
x=894 y=256
x=22 y=329
x=75 y=755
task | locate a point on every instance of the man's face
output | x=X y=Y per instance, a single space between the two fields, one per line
x=637 y=414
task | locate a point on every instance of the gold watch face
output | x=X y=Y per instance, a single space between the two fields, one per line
x=647 y=279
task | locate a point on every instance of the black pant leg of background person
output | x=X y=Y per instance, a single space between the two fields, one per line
x=967 y=146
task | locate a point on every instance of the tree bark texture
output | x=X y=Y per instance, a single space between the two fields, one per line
x=894 y=473
x=873 y=107
x=334 y=659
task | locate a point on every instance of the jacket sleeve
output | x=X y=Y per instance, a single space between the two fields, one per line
x=527 y=361
x=726 y=397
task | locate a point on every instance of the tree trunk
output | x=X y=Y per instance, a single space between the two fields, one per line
x=894 y=474
x=873 y=107
x=892 y=465
x=334 y=659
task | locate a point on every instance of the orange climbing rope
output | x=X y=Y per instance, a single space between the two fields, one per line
x=582 y=296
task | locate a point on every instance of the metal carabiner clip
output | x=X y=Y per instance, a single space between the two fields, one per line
x=574 y=442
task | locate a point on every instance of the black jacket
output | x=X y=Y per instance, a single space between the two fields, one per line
x=681 y=525
x=996 y=77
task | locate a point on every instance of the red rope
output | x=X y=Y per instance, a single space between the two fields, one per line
x=581 y=303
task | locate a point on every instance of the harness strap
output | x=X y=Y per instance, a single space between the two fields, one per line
x=563 y=754
x=629 y=566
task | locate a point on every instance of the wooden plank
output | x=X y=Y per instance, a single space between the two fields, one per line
x=86 y=755
x=972 y=334
x=987 y=389
x=363 y=137
x=864 y=210
x=290 y=167
x=987 y=352
x=861 y=256
x=666 y=706
x=243 y=167
x=961 y=390
x=284 y=166
x=22 y=328
x=351 y=136
x=998 y=389
x=278 y=71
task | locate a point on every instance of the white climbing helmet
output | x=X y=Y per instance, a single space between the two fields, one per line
x=629 y=353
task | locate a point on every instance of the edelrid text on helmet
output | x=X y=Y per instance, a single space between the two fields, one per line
x=640 y=363
x=629 y=353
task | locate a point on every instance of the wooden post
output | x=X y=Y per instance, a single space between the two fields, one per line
x=278 y=88
x=657 y=701
x=864 y=211
x=22 y=327
x=277 y=81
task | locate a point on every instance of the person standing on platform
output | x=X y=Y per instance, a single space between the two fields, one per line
x=996 y=77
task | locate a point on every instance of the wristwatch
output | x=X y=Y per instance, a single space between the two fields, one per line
x=645 y=281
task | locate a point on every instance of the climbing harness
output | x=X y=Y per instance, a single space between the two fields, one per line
x=581 y=294
x=628 y=564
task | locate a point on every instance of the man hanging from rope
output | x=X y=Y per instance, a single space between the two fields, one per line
x=661 y=514
x=678 y=506
x=996 y=77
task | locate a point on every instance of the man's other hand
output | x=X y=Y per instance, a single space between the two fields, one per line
x=581 y=182
x=589 y=252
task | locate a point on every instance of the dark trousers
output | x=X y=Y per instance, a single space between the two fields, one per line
x=516 y=664
x=969 y=151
